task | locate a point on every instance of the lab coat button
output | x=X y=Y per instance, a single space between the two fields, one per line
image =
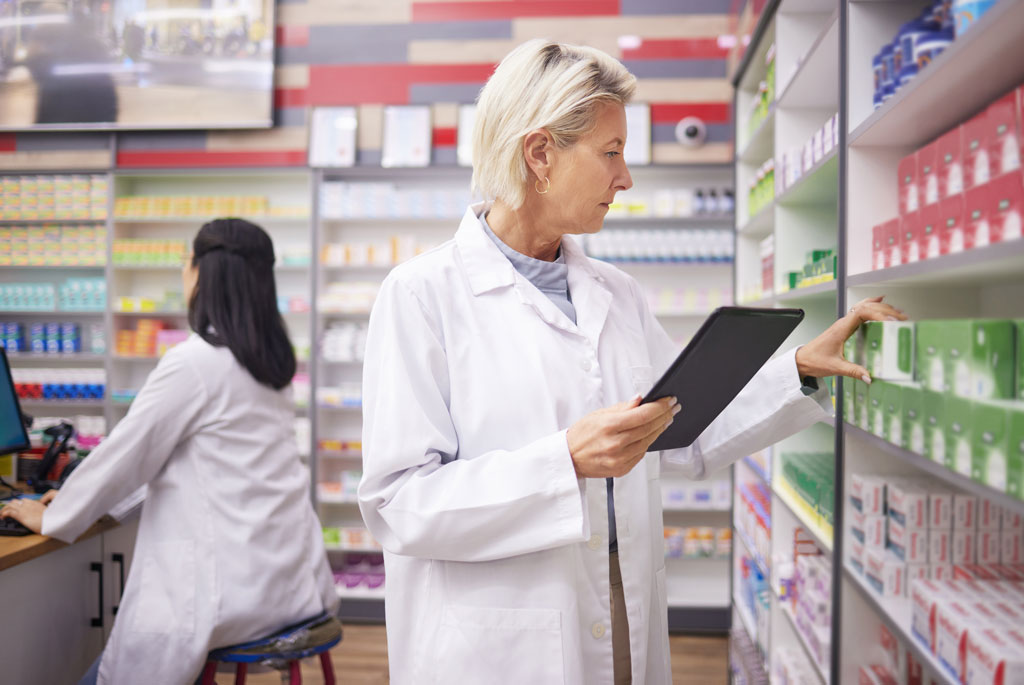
x=586 y=365
x=594 y=542
x=597 y=630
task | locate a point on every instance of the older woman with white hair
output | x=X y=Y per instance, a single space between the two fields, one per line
x=505 y=463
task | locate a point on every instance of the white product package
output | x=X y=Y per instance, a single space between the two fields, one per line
x=886 y=573
x=909 y=544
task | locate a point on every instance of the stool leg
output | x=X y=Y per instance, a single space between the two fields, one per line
x=240 y=672
x=208 y=673
x=294 y=674
x=328 y=667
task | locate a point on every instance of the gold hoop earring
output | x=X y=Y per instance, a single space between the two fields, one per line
x=536 y=186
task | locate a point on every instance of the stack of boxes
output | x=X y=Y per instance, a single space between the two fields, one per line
x=905 y=529
x=59 y=384
x=892 y=663
x=34 y=198
x=812 y=476
x=761 y=192
x=813 y=597
x=949 y=390
x=961 y=191
x=139 y=252
x=912 y=49
x=697 y=542
x=47 y=338
x=795 y=163
x=151 y=338
x=53 y=245
x=753 y=518
x=973 y=626
x=253 y=207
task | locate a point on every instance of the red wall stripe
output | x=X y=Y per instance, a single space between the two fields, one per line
x=208 y=158
x=292 y=36
x=445 y=137
x=710 y=112
x=290 y=97
x=694 y=48
x=387 y=84
x=466 y=11
x=8 y=142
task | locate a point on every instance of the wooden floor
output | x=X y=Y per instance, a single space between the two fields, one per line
x=362 y=659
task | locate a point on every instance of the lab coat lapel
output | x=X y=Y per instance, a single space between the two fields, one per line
x=590 y=297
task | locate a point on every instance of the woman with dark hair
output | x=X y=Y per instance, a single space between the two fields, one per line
x=229 y=548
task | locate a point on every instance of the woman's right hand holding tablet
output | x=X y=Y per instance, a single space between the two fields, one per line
x=609 y=442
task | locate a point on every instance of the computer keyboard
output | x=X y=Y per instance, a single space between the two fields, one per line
x=9 y=526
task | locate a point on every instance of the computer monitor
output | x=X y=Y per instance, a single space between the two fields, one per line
x=13 y=437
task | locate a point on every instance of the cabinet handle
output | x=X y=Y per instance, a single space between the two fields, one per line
x=119 y=560
x=98 y=568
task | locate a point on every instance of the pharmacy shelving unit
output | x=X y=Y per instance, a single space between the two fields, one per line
x=803 y=35
x=980 y=65
x=824 y=64
x=680 y=293
x=283 y=188
x=291 y=233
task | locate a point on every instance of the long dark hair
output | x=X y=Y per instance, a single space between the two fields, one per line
x=234 y=303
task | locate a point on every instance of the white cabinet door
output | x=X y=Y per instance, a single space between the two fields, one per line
x=118 y=548
x=53 y=623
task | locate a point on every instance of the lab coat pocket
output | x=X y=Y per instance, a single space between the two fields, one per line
x=483 y=644
x=642 y=377
x=166 y=592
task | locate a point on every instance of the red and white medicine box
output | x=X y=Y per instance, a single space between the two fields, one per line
x=885 y=572
x=924 y=598
x=1011 y=547
x=963 y=548
x=909 y=544
x=949 y=154
x=965 y=511
x=909 y=198
x=929 y=243
x=910 y=247
x=878 y=247
x=1011 y=520
x=1006 y=208
x=994 y=656
x=1004 y=134
x=939 y=546
x=988 y=547
x=977 y=167
x=951 y=227
x=894 y=253
x=977 y=207
x=990 y=515
x=928 y=174
x=907 y=504
x=940 y=510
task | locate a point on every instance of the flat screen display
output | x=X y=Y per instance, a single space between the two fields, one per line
x=136 y=64
x=13 y=437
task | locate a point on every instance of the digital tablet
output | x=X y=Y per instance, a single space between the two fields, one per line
x=731 y=346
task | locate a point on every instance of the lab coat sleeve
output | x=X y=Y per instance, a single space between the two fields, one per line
x=419 y=495
x=165 y=411
x=772 y=406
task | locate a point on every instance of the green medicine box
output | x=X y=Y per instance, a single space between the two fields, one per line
x=958 y=414
x=991 y=359
x=893 y=423
x=930 y=371
x=876 y=408
x=956 y=354
x=861 y=405
x=889 y=350
x=934 y=421
x=912 y=401
x=853 y=348
x=849 y=398
x=990 y=428
x=1019 y=358
x=1015 y=458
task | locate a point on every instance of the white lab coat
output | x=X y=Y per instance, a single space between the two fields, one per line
x=496 y=554
x=229 y=548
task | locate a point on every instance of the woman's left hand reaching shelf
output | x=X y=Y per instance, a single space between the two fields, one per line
x=823 y=356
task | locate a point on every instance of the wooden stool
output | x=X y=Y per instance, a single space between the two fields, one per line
x=281 y=650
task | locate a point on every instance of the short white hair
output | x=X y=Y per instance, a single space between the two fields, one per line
x=540 y=84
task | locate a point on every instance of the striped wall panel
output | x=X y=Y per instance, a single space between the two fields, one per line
x=373 y=53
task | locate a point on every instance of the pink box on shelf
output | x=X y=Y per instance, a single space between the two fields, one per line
x=878 y=247
x=950 y=228
x=977 y=165
x=928 y=174
x=1006 y=207
x=977 y=207
x=1004 y=133
x=949 y=155
x=894 y=248
x=910 y=247
x=910 y=200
